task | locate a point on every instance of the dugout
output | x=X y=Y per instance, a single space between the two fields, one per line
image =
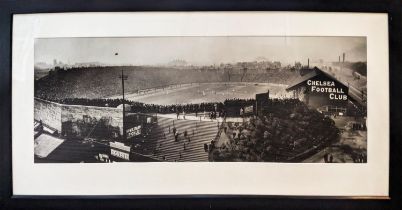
x=321 y=90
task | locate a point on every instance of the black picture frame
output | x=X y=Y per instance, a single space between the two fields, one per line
x=8 y=201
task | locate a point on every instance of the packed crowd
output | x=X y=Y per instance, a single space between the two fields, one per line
x=142 y=107
x=91 y=102
x=236 y=102
x=100 y=82
x=284 y=133
x=215 y=109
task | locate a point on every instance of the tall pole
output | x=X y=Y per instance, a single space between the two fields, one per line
x=124 y=107
x=123 y=77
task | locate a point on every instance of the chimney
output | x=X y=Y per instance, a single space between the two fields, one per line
x=343 y=61
x=308 y=62
x=339 y=59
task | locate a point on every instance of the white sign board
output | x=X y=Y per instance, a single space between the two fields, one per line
x=134 y=131
x=120 y=154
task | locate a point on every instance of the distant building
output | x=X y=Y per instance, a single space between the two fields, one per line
x=277 y=65
x=321 y=90
x=177 y=63
x=298 y=65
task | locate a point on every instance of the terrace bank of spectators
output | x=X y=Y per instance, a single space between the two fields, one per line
x=284 y=133
x=101 y=82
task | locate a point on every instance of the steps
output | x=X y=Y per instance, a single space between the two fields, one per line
x=162 y=145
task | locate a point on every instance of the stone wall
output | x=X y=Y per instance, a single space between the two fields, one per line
x=48 y=112
x=78 y=113
x=56 y=115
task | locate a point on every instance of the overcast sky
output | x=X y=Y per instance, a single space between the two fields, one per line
x=197 y=50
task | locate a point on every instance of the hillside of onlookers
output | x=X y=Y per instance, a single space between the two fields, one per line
x=100 y=82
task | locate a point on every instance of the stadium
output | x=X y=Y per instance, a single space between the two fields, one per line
x=245 y=111
x=200 y=98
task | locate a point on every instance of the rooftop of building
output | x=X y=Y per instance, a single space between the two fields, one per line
x=309 y=73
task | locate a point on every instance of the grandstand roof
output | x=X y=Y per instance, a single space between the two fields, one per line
x=314 y=72
x=353 y=93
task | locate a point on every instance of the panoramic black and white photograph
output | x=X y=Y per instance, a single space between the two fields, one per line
x=284 y=99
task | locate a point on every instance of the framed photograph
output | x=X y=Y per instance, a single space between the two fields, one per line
x=201 y=106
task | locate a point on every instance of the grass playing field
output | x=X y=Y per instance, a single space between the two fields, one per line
x=208 y=92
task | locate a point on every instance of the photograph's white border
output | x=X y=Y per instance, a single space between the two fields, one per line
x=309 y=179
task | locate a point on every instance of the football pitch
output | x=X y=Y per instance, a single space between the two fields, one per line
x=208 y=92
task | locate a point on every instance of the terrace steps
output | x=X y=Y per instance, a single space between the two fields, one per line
x=162 y=145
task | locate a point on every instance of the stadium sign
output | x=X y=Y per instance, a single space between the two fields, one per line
x=118 y=149
x=134 y=131
x=322 y=91
x=335 y=93
x=120 y=154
